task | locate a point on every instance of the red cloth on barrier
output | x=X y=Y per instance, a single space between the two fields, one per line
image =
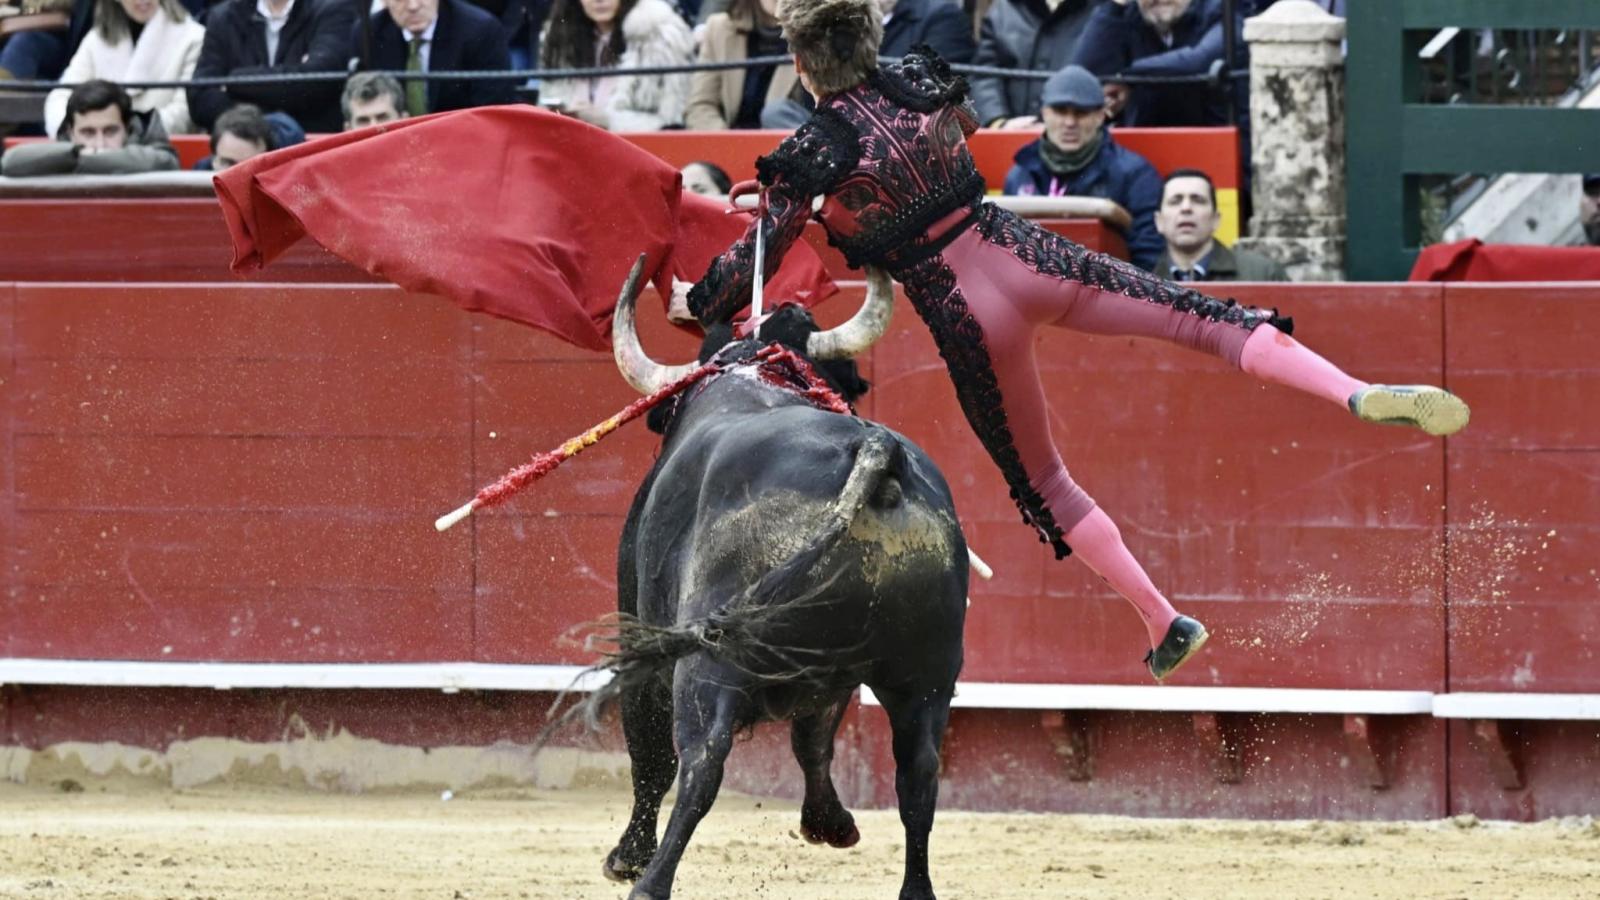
x=1473 y=260
x=508 y=210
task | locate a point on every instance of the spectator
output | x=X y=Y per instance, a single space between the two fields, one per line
x=43 y=55
x=442 y=36
x=244 y=131
x=734 y=98
x=1162 y=37
x=1024 y=34
x=135 y=40
x=941 y=24
x=241 y=132
x=706 y=179
x=100 y=135
x=519 y=22
x=1188 y=219
x=583 y=33
x=1589 y=209
x=257 y=37
x=372 y=98
x=1076 y=155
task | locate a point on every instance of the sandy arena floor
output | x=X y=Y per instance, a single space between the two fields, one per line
x=547 y=845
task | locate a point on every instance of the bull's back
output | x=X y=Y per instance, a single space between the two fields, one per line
x=745 y=493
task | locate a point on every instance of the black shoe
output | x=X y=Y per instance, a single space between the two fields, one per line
x=1434 y=410
x=1185 y=637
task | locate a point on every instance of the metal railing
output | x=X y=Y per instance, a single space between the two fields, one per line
x=1529 y=67
x=1216 y=77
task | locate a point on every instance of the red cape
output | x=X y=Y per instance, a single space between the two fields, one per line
x=508 y=210
x=1473 y=260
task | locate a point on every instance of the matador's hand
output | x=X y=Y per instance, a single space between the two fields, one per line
x=678 y=303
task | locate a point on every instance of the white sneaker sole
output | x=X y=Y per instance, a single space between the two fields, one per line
x=1434 y=410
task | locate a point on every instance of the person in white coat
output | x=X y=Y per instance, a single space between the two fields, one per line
x=623 y=34
x=135 y=40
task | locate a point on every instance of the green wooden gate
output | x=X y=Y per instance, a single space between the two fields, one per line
x=1392 y=138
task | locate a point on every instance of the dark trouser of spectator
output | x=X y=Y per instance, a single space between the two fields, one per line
x=522 y=57
x=34 y=56
x=785 y=114
x=286 y=132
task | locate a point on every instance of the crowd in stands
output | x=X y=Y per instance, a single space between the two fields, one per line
x=1100 y=51
x=174 y=40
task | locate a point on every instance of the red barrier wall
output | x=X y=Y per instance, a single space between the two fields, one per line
x=250 y=472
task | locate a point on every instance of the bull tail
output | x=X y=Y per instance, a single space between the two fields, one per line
x=733 y=632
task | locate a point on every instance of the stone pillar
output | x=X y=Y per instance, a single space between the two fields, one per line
x=1297 y=135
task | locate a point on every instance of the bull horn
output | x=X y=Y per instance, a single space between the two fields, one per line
x=645 y=374
x=864 y=328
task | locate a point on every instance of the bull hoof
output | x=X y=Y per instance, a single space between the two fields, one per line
x=622 y=870
x=840 y=833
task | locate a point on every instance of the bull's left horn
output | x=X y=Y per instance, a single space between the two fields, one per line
x=645 y=374
x=864 y=328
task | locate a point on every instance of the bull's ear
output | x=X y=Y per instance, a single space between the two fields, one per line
x=869 y=323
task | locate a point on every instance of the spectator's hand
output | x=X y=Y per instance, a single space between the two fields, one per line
x=1116 y=98
x=1016 y=122
x=588 y=112
x=678 y=303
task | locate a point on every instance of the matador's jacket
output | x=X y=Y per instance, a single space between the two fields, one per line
x=890 y=159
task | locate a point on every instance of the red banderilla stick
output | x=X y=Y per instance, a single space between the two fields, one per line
x=543 y=464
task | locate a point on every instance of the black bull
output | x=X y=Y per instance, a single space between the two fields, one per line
x=776 y=557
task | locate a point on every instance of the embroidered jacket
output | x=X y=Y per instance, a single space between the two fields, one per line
x=890 y=159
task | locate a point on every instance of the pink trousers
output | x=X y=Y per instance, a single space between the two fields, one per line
x=1009 y=299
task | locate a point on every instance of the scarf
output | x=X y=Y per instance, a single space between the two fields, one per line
x=1067 y=162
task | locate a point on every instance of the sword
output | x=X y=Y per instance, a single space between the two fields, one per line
x=739 y=190
x=757 y=284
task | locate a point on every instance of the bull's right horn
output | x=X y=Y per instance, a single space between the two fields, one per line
x=645 y=374
x=864 y=328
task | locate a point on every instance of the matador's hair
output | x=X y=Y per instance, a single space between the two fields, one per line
x=836 y=41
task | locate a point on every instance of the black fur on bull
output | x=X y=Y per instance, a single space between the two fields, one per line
x=776 y=557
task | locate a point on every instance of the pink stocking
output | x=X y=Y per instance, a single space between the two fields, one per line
x=1097 y=542
x=1273 y=356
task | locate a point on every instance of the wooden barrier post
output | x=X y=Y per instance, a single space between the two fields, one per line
x=1297 y=139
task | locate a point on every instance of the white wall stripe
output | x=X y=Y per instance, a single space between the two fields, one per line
x=448 y=677
x=1182 y=699
x=1517 y=706
x=457 y=676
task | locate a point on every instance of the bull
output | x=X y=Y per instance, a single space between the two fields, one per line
x=776 y=557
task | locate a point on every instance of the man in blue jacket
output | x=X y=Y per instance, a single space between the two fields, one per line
x=1076 y=156
x=1164 y=37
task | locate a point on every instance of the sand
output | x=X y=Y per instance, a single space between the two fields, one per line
x=131 y=843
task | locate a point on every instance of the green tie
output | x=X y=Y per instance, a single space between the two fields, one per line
x=416 y=88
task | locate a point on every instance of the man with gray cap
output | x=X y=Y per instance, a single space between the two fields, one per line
x=1076 y=155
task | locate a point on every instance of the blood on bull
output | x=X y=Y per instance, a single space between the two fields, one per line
x=779 y=554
